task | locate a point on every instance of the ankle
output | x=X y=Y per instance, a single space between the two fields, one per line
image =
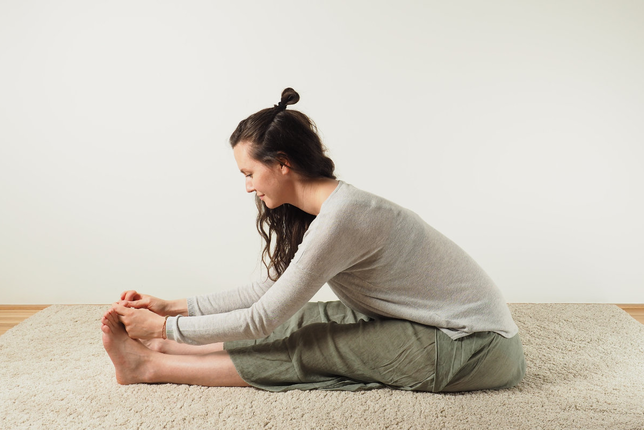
x=159 y=345
x=146 y=370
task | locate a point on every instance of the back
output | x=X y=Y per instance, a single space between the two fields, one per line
x=391 y=263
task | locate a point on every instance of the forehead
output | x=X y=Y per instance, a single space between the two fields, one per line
x=240 y=151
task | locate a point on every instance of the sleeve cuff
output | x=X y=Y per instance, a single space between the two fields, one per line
x=171 y=328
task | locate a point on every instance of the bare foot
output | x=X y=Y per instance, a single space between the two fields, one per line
x=128 y=355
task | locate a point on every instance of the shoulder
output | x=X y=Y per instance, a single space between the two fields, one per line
x=349 y=207
x=351 y=224
x=346 y=197
x=350 y=198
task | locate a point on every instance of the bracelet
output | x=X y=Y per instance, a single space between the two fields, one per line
x=163 y=334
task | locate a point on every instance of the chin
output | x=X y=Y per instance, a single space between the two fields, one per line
x=272 y=205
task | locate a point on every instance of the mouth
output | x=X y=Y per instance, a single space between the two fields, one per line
x=261 y=196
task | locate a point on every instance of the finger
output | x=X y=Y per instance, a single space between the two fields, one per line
x=129 y=295
x=137 y=304
x=120 y=309
x=119 y=318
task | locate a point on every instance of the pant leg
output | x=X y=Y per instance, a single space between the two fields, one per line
x=311 y=313
x=480 y=361
x=329 y=346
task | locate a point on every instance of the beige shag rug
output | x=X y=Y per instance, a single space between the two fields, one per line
x=585 y=371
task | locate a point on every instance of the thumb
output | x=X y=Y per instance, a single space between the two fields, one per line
x=120 y=309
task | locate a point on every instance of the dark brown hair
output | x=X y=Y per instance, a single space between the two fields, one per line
x=277 y=135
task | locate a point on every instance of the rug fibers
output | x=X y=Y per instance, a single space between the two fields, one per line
x=585 y=371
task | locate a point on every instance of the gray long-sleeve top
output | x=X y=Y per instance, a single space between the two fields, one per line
x=379 y=259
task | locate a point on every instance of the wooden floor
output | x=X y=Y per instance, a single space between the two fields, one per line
x=11 y=315
x=636 y=311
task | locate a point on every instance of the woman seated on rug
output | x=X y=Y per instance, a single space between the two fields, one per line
x=416 y=312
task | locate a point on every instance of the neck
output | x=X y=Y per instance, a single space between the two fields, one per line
x=309 y=195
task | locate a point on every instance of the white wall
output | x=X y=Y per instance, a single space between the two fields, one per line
x=515 y=128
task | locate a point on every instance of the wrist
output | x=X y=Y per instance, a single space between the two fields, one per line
x=177 y=307
x=163 y=328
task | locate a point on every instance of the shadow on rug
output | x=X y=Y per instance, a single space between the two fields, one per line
x=585 y=371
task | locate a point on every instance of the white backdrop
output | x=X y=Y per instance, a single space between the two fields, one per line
x=515 y=128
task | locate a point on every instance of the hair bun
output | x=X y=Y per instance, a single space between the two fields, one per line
x=289 y=97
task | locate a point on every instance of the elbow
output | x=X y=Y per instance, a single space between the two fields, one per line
x=260 y=330
x=261 y=324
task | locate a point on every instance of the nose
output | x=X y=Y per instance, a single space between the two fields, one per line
x=249 y=185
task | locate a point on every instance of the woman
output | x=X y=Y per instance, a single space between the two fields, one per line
x=416 y=312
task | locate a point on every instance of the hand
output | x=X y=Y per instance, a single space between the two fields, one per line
x=140 y=323
x=132 y=299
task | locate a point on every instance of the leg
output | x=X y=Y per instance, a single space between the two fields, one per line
x=166 y=346
x=134 y=363
x=328 y=346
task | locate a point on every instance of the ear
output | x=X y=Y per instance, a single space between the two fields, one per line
x=285 y=166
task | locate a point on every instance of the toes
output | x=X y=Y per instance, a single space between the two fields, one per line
x=106 y=329
x=105 y=323
x=110 y=318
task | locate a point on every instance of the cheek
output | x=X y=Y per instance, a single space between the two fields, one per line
x=265 y=180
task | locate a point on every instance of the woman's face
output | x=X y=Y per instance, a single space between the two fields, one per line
x=265 y=181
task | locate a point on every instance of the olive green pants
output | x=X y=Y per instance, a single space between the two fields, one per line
x=328 y=346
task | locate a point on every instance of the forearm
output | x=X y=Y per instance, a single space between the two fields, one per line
x=176 y=307
x=228 y=300
x=294 y=289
